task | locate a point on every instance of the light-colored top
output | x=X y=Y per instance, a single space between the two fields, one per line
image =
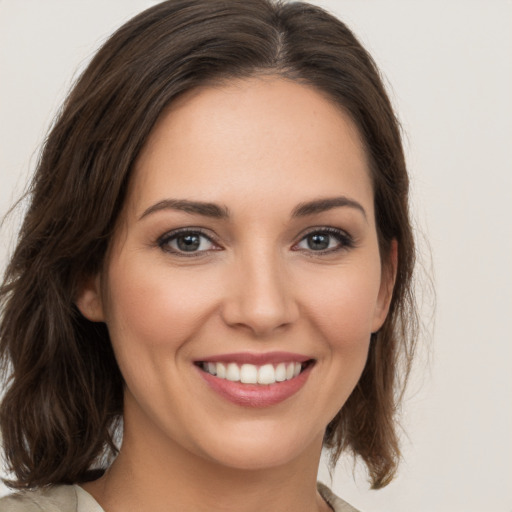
x=59 y=498
x=72 y=498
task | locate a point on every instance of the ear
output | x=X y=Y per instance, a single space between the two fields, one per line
x=387 y=283
x=88 y=299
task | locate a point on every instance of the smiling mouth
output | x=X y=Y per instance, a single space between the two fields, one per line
x=246 y=373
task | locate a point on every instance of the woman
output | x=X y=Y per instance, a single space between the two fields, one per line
x=216 y=264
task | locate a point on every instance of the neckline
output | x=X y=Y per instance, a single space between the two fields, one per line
x=87 y=503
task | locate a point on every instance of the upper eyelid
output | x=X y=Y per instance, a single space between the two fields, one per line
x=213 y=237
x=320 y=229
x=342 y=233
x=329 y=230
x=170 y=235
x=174 y=232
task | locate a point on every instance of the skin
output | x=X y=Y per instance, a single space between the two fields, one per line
x=258 y=147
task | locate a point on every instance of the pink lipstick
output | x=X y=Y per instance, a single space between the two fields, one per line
x=256 y=380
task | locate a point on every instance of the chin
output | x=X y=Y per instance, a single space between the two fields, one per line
x=262 y=450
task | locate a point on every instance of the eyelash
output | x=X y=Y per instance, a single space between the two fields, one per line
x=345 y=241
x=164 y=240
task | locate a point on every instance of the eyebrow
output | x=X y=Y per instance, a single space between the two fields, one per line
x=325 y=204
x=216 y=211
x=193 y=207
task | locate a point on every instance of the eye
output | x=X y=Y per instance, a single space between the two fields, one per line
x=325 y=240
x=186 y=242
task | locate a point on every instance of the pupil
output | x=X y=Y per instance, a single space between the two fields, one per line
x=188 y=242
x=318 y=241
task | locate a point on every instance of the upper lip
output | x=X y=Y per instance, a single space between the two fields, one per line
x=257 y=359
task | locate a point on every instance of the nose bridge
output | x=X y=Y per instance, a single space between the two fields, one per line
x=262 y=299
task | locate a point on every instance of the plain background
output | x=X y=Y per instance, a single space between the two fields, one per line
x=448 y=67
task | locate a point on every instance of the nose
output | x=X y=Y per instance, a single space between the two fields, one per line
x=260 y=298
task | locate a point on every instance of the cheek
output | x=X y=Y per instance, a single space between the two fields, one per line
x=149 y=306
x=342 y=304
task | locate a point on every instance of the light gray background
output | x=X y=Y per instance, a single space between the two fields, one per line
x=449 y=68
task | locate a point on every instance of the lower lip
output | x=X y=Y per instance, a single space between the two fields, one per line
x=256 y=395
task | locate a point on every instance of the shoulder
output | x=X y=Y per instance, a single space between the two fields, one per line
x=59 y=498
x=336 y=503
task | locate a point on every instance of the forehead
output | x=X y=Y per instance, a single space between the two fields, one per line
x=266 y=139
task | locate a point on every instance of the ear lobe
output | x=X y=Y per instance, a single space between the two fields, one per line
x=88 y=299
x=387 y=285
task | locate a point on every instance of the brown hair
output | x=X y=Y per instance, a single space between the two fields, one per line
x=64 y=395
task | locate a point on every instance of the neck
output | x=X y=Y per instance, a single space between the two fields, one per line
x=151 y=474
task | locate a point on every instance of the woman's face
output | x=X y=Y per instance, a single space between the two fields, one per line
x=247 y=249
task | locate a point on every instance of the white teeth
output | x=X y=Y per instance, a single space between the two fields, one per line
x=212 y=368
x=266 y=374
x=248 y=374
x=252 y=374
x=233 y=372
x=280 y=372
x=220 y=370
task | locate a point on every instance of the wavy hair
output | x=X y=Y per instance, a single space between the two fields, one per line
x=64 y=392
